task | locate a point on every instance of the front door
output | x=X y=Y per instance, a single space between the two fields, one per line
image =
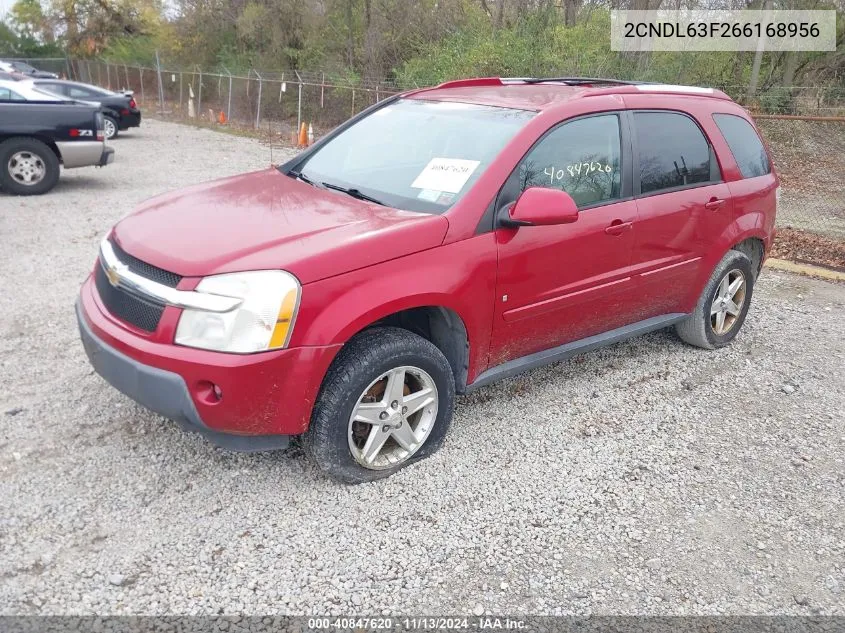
x=558 y=284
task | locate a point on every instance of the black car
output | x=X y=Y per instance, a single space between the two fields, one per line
x=120 y=110
x=15 y=66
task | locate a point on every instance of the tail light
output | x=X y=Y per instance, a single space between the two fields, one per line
x=132 y=103
x=99 y=125
x=124 y=112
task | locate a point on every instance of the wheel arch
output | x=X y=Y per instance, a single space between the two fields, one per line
x=432 y=320
x=38 y=137
x=755 y=248
x=746 y=235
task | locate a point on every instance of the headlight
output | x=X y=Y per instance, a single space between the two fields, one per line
x=263 y=321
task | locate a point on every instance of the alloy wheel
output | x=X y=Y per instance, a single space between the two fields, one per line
x=393 y=418
x=727 y=302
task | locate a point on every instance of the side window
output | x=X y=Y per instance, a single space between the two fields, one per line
x=79 y=93
x=56 y=89
x=581 y=157
x=9 y=95
x=746 y=146
x=672 y=151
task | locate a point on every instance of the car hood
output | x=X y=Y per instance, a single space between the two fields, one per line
x=267 y=220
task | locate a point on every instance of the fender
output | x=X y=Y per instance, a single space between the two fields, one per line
x=744 y=227
x=460 y=277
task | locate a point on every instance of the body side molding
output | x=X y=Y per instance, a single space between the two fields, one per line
x=568 y=350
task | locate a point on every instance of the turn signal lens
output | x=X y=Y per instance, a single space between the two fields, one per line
x=285 y=320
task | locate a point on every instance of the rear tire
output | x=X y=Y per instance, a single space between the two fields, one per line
x=28 y=167
x=386 y=402
x=110 y=128
x=723 y=305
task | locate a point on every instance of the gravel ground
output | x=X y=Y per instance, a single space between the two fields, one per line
x=647 y=478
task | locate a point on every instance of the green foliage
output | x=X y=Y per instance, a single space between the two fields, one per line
x=8 y=41
x=28 y=18
x=13 y=44
x=778 y=100
x=415 y=42
x=541 y=45
x=132 y=50
x=531 y=47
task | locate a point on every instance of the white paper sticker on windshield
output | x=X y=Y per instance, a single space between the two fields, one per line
x=429 y=195
x=445 y=174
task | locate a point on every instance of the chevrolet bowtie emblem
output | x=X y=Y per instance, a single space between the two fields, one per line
x=113 y=273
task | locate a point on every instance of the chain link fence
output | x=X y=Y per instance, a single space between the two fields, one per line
x=806 y=133
x=277 y=102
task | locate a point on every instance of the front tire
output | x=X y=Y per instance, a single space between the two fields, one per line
x=27 y=167
x=723 y=305
x=386 y=402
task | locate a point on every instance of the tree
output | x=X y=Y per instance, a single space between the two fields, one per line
x=29 y=21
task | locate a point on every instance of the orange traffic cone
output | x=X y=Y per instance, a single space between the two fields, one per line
x=222 y=118
x=310 y=134
x=303 y=135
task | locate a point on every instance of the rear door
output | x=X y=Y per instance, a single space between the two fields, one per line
x=683 y=206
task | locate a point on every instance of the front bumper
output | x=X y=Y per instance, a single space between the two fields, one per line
x=266 y=397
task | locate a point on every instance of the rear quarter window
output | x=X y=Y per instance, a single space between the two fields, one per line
x=745 y=145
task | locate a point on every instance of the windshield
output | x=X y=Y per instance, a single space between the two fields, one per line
x=40 y=93
x=24 y=68
x=415 y=155
x=26 y=91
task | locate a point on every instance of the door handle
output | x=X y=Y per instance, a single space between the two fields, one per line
x=714 y=203
x=618 y=227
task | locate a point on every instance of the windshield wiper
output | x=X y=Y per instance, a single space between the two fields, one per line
x=352 y=191
x=300 y=176
x=355 y=193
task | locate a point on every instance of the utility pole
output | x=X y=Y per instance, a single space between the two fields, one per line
x=758 y=57
x=160 y=85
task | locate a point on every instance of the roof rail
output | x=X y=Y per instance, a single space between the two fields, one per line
x=475 y=81
x=575 y=81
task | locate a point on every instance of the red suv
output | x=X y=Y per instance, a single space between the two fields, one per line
x=439 y=241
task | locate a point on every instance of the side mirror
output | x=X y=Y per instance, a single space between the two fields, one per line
x=538 y=206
